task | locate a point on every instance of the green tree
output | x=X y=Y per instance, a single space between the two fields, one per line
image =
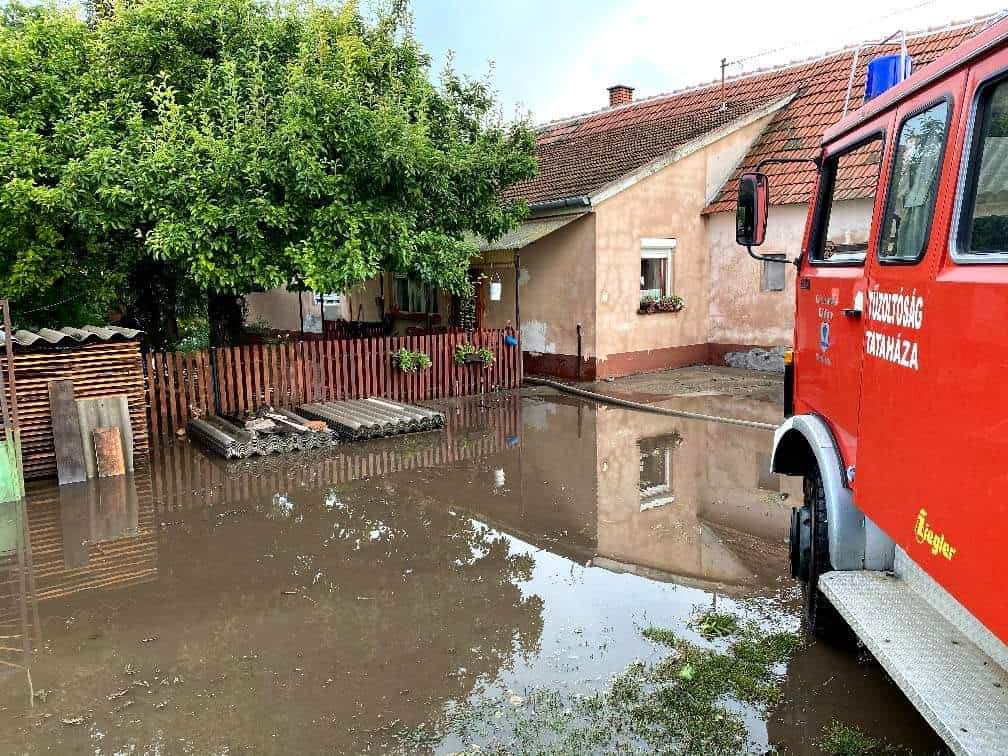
x=235 y=145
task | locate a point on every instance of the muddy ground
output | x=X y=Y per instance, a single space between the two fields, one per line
x=427 y=594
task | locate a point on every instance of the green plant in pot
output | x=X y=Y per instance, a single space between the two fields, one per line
x=670 y=303
x=469 y=353
x=409 y=361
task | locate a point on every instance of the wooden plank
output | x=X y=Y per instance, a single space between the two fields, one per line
x=338 y=372
x=280 y=383
x=311 y=383
x=331 y=367
x=183 y=393
x=66 y=433
x=206 y=384
x=170 y=386
x=271 y=366
x=297 y=388
x=245 y=378
x=256 y=356
x=108 y=448
x=192 y=383
x=154 y=417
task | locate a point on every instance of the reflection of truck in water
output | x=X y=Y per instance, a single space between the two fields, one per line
x=895 y=416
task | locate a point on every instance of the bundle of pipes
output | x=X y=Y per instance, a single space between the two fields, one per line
x=372 y=418
x=287 y=432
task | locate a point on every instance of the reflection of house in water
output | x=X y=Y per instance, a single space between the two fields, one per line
x=664 y=497
x=93 y=535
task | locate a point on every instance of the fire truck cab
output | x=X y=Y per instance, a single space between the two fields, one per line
x=897 y=387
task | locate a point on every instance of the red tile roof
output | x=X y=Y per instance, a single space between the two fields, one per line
x=579 y=156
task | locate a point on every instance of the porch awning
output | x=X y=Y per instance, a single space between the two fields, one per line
x=530 y=231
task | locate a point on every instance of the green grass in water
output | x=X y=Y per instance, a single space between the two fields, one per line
x=681 y=705
x=844 y=740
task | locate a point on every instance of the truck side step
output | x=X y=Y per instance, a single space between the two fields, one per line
x=961 y=691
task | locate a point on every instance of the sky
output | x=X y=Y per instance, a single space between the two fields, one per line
x=555 y=58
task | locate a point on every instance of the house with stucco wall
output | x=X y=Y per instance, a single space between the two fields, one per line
x=632 y=215
x=638 y=200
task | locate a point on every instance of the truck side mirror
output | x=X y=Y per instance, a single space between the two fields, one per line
x=751 y=212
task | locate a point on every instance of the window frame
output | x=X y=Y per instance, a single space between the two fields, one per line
x=433 y=305
x=663 y=493
x=950 y=101
x=823 y=211
x=783 y=261
x=661 y=249
x=969 y=175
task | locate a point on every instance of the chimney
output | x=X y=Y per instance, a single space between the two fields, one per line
x=620 y=94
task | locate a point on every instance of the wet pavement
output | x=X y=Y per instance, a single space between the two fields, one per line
x=343 y=601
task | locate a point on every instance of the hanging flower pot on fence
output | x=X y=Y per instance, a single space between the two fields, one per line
x=467 y=354
x=411 y=362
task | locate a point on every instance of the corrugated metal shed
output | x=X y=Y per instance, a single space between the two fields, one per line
x=71 y=336
x=530 y=231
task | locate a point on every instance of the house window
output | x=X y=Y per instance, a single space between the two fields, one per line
x=656 y=471
x=656 y=269
x=774 y=273
x=411 y=295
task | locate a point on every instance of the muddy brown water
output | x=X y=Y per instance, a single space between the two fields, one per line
x=325 y=602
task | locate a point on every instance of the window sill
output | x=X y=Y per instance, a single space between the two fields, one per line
x=660 y=312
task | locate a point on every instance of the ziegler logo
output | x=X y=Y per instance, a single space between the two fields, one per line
x=936 y=541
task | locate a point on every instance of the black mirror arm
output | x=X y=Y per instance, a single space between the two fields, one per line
x=817 y=162
x=764 y=258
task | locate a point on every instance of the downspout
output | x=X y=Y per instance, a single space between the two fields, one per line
x=579 y=351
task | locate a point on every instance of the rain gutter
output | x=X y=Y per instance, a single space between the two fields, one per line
x=581 y=202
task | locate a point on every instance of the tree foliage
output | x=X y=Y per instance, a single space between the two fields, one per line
x=238 y=145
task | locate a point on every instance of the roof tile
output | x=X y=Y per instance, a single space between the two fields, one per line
x=581 y=155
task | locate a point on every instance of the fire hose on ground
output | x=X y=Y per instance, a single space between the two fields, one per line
x=640 y=407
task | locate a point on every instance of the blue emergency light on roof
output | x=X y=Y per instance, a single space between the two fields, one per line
x=885 y=73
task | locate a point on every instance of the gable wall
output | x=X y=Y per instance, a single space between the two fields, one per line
x=668 y=204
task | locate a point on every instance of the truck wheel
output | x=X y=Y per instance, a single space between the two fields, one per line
x=821 y=618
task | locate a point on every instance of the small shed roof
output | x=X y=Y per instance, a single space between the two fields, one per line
x=71 y=336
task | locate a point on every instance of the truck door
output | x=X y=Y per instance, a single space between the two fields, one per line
x=933 y=420
x=831 y=285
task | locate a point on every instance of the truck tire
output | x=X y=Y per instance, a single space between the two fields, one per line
x=822 y=619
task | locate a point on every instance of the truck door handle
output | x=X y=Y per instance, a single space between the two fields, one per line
x=854 y=311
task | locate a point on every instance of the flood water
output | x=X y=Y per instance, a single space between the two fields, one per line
x=326 y=602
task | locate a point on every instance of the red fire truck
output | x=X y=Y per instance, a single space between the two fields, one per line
x=897 y=387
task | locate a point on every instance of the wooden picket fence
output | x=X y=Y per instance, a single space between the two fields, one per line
x=290 y=374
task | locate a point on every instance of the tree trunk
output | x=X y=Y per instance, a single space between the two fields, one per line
x=155 y=292
x=226 y=313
